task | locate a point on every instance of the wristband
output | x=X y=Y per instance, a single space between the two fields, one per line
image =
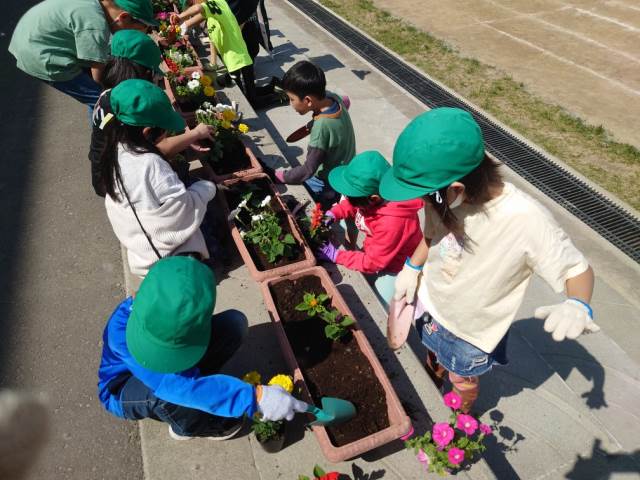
x=408 y=263
x=585 y=304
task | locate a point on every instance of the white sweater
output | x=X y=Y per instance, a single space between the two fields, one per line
x=169 y=212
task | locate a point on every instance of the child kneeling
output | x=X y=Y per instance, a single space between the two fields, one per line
x=392 y=229
x=156 y=345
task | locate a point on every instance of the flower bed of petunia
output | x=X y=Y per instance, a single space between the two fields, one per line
x=446 y=447
x=190 y=91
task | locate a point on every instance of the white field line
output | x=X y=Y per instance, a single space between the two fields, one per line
x=565 y=60
x=623 y=5
x=626 y=26
x=535 y=17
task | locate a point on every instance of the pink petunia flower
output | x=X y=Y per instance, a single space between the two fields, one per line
x=485 y=429
x=456 y=456
x=452 y=400
x=181 y=78
x=442 y=434
x=467 y=424
x=423 y=458
x=162 y=16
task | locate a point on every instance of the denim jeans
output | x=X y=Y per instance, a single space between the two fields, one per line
x=228 y=330
x=455 y=354
x=81 y=87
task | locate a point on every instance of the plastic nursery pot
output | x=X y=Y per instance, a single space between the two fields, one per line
x=257 y=274
x=275 y=444
x=399 y=422
x=188 y=115
x=228 y=178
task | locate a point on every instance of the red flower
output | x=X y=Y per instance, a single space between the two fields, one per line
x=330 y=475
x=173 y=66
x=316 y=216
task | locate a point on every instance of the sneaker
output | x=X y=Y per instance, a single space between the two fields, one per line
x=229 y=429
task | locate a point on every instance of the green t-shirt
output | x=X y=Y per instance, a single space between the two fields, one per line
x=55 y=39
x=225 y=34
x=334 y=134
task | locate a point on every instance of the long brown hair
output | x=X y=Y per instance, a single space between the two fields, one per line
x=478 y=184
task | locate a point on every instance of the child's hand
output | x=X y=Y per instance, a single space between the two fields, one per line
x=329 y=218
x=203 y=131
x=174 y=18
x=327 y=252
x=407 y=282
x=279 y=174
x=567 y=319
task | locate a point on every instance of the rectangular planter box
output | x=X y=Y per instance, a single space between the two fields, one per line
x=262 y=275
x=399 y=422
x=189 y=117
x=198 y=65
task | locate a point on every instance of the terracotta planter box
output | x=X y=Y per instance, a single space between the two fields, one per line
x=189 y=116
x=228 y=178
x=399 y=422
x=256 y=273
x=198 y=63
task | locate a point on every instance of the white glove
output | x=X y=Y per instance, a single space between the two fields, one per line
x=406 y=283
x=276 y=404
x=567 y=319
x=184 y=29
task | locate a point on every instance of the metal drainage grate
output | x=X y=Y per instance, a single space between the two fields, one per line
x=612 y=222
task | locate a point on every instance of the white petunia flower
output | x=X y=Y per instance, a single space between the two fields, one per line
x=206 y=106
x=266 y=201
x=242 y=204
x=196 y=75
x=242 y=233
x=257 y=218
x=193 y=84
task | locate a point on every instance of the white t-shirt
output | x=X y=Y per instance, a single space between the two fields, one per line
x=474 y=287
x=148 y=179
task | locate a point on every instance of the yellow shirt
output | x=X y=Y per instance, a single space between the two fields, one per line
x=474 y=287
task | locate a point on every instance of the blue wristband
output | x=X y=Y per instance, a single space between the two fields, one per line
x=408 y=263
x=582 y=302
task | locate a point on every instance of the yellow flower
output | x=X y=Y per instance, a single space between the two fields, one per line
x=229 y=115
x=285 y=381
x=243 y=128
x=209 y=91
x=226 y=124
x=205 y=80
x=252 y=377
x=163 y=27
x=177 y=28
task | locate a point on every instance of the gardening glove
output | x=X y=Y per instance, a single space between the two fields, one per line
x=407 y=282
x=567 y=319
x=328 y=252
x=346 y=101
x=276 y=404
x=329 y=217
x=184 y=30
x=279 y=174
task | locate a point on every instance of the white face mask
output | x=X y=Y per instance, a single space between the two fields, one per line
x=457 y=202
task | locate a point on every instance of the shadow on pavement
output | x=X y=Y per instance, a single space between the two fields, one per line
x=601 y=465
x=19 y=106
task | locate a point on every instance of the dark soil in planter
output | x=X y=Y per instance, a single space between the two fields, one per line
x=190 y=104
x=234 y=158
x=331 y=369
x=261 y=189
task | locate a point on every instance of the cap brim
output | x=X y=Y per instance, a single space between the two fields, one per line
x=395 y=190
x=158 y=358
x=174 y=123
x=342 y=185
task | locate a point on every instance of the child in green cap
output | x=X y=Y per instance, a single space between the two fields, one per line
x=483 y=241
x=65 y=43
x=332 y=141
x=134 y=55
x=159 y=348
x=152 y=212
x=391 y=229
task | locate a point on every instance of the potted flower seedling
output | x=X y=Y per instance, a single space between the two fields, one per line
x=168 y=34
x=228 y=156
x=189 y=91
x=271 y=435
x=337 y=325
x=264 y=229
x=450 y=445
x=314 y=227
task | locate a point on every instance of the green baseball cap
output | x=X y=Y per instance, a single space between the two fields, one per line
x=169 y=328
x=137 y=47
x=437 y=148
x=140 y=103
x=140 y=10
x=361 y=176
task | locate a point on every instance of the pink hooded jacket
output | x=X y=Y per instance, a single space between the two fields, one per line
x=392 y=232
